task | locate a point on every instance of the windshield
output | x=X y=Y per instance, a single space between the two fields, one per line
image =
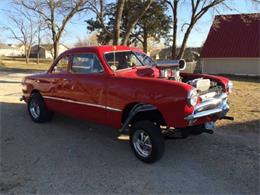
x=122 y=60
x=146 y=60
x=126 y=59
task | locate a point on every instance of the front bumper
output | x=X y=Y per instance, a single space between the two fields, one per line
x=214 y=106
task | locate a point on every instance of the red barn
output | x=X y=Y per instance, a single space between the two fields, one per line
x=232 y=46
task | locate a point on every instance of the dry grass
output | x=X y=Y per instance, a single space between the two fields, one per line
x=244 y=103
x=20 y=64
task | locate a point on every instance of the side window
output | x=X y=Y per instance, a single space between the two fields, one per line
x=61 y=65
x=86 y=64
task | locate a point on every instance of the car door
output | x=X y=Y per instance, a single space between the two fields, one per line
x=88 y=87
x=59 y=86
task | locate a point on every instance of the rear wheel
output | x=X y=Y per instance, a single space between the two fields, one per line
x=38 y=110
x=146 y=141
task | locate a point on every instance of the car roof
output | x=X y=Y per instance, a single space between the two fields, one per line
x=101 y=49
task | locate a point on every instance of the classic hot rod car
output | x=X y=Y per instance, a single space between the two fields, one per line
x=122 y=87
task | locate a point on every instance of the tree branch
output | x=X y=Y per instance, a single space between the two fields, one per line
x=100 y=16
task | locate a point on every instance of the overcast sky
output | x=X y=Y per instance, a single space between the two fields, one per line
x=77 y=27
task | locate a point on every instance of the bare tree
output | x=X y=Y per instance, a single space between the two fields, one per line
x=115 y=32
x=56 y=15
x=87 y=41
x=138 y=16
x=100 y=10
x=174 y=8
x=198 y=9
x=23 y=29
x=41 y=28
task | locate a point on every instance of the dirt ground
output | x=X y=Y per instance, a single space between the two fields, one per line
x=69 y=155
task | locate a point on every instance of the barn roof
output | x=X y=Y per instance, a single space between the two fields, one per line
x=233 y=36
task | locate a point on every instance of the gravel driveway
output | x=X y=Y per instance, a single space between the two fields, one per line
x=69 y=155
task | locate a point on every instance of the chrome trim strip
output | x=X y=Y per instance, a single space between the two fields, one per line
x=116 y=51
x=84 y=103
x=113 y=109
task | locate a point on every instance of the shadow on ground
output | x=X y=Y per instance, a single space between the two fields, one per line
x=243 y=127
x=68 y=155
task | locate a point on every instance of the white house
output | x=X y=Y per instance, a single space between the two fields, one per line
x=8 y=50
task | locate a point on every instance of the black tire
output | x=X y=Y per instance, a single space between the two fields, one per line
x=42 y=114
x=155 y=138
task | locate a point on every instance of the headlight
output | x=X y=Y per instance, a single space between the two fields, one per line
x=192 y=97
x=230 y=86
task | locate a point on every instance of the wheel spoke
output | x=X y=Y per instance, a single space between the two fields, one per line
x=142 y=136
x=146 y=138
x=34 y=109
x=139 y=141
x=142 y=143
x=148 y=145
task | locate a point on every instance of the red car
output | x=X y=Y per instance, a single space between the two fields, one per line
x=122 y=87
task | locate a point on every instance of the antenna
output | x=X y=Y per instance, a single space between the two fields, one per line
x=114 y=47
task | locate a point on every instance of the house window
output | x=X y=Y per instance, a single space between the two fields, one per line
x=86 y=64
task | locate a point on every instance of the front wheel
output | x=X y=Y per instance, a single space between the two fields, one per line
x=146 y=141
x=38 y=110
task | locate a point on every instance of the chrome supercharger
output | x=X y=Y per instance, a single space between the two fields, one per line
x=170 y=69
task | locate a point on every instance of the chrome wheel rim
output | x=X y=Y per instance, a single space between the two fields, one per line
x=34 y=109
x=142 y=143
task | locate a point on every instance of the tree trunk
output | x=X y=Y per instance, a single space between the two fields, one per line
x=132 y=25
x=39 y=43
x=145 y=43
x=55 y=49
x=38 y=55
x=119 y=13
x=26 y=58
x=174 y=35
x=26 y=54
x=184 y=42
x=128 y=43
